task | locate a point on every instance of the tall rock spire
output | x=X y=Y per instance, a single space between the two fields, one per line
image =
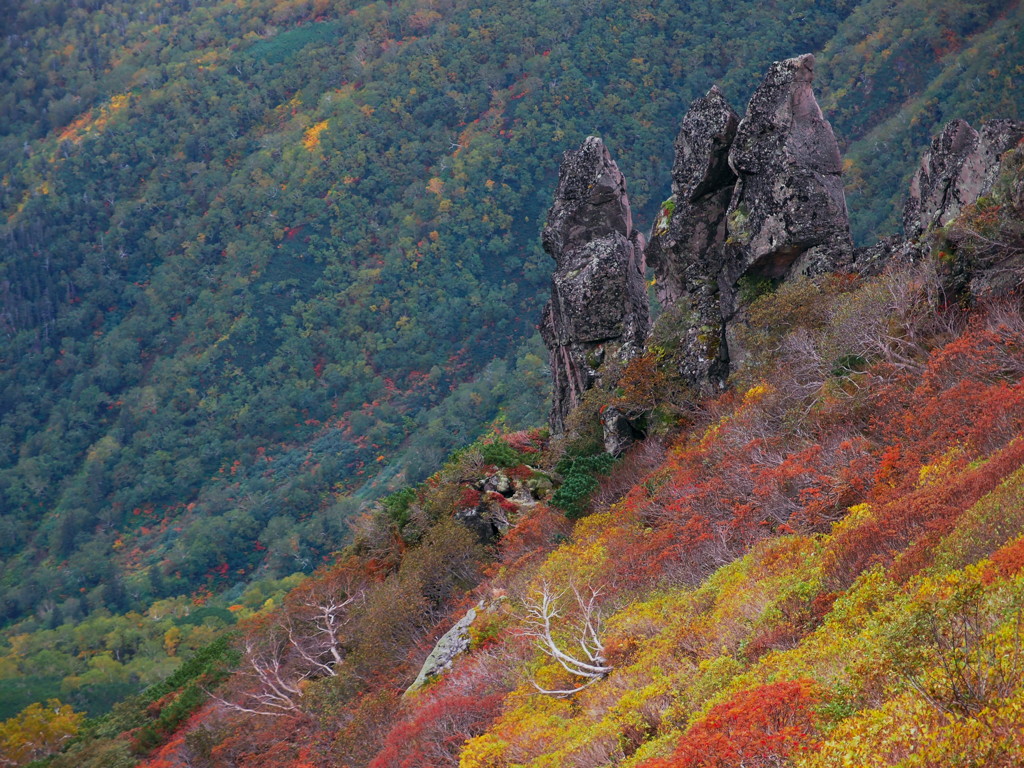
x=598 y=303
x=687 y=245
x=759 y=198
x=788 y=212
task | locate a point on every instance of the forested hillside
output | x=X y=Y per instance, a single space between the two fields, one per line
x=266 y=261
x=820 y=567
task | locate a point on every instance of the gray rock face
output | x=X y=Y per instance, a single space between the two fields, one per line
x=598 y=300
x=960 y=166
x=453 y=643
x=620 y=430
x=757 y=198
x=687 y=245
x=788 y=211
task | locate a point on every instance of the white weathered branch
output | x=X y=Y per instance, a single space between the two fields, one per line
x=591 y=666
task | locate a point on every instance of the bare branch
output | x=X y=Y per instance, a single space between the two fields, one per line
x=543 y=609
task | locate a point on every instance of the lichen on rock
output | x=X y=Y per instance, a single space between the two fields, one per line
x=789 y=189
x=453 y=643
x=598 y=300
x=960 y=166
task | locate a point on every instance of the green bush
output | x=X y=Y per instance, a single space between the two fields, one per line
x=501 y=454
x=579 y=475
x=398 y=504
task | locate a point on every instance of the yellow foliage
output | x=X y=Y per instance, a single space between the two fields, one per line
x=932 y=473
x=311 y=139
x=84 y=124
x=755 y=394
x=37 y=731
x=435 y=186
x=172 y=639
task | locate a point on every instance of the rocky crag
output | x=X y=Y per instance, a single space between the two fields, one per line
x=960 y=166
x=687 y=248
x=754 y=201
x=598 y=307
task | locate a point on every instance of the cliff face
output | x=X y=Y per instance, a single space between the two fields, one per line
x=960 y=166
x=754 y=199
x=598 y=303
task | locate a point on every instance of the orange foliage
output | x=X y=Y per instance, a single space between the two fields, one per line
x=757 y=728
x=534 y=535
x=1010 y=559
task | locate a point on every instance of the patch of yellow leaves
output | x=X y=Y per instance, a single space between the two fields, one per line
x=311 y=139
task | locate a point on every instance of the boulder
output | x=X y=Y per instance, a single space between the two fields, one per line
x=453 y=643
x=620 y=429
x=598 y=300
x=488 y=520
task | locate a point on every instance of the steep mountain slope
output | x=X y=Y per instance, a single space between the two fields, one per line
x=821 y=564
x=260 y=254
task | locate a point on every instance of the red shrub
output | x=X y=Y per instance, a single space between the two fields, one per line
x=438 y=722
x=919 y=518
x=757 y=728
x=536 y=533
x=1010 y=559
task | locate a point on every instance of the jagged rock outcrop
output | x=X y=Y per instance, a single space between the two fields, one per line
x=788 y=211
x=452 y=644
x=598 y=300
x=960 y=166
x=753 y=199
x=687 y=244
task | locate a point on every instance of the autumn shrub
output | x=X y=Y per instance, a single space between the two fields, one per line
x=773 y=315
x=398 y=612
x=985 y=528
x=533 y=536
x=266 y=742
x=434 y=726
x=631 y=469
x=1010 y=558
x=758 y=728
x=643 y=384
x=922 y=516
x=962 y=645
x=364 y=723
